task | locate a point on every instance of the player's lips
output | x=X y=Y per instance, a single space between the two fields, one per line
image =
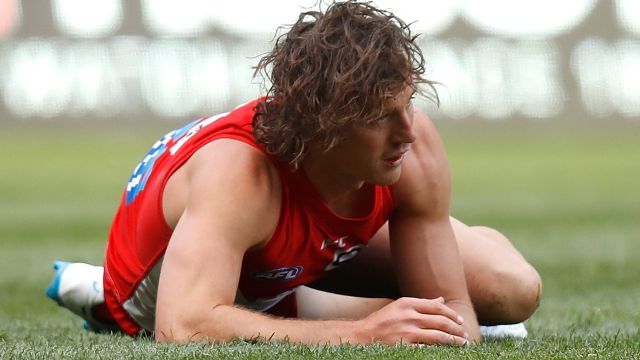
x=395 y=159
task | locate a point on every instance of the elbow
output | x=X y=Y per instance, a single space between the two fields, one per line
x=175 y=333
x=188 y=327
x=164 y=335
x=184 y=330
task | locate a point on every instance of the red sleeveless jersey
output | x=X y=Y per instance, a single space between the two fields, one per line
x=309 y=238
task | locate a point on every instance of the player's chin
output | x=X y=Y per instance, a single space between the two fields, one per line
x=388 y=177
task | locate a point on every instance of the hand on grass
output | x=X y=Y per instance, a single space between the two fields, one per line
x=414 y=321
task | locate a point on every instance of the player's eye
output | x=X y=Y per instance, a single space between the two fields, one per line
x=382 y=119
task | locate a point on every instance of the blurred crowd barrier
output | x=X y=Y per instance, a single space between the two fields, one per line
x=168 y=59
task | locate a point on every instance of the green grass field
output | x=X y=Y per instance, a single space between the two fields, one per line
x=569 y=199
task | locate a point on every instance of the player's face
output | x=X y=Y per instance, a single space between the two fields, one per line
x=374 y=153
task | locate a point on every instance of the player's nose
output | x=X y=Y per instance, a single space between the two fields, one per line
x=404 y=130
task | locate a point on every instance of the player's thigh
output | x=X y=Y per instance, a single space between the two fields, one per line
x=484 y=248
x=316 y=304
x=370 y=274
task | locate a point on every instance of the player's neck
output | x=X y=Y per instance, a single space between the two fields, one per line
x=337 y=189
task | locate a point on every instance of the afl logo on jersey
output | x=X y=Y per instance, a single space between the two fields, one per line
x=286 y=273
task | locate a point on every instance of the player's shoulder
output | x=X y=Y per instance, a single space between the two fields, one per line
x=425 y=176
x=428 y=145
x=427 y=158
x=232 y=180
x=233 y=161
x=226 y=173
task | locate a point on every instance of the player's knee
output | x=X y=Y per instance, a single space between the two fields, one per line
x=515 y=286
x=527 y=293
x=512 y=295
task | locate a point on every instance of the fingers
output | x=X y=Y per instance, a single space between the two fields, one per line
x=417 y=321
x=435 y=337
x=434 y=307
x=436 y=323
x=434 y=314
x=442 y=324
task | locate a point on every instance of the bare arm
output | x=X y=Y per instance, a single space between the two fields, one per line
x=428 y=263
x=233 y=200
x=229 y=212
x=232 y=206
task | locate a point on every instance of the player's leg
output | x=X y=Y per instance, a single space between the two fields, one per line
x=317 y=304
x=503 y=286
x=78 y=287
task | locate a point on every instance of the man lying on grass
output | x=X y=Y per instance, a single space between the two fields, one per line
x=317 y=214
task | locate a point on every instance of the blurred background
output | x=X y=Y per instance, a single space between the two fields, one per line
x=164 y=59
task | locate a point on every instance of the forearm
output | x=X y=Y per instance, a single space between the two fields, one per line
x=465 y=309
x=227 y=323
x=429 y=265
